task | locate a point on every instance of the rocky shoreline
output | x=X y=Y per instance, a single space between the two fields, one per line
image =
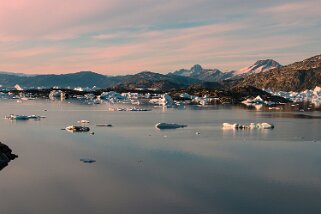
x=6 y=155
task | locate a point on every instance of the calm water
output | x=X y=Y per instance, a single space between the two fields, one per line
x=143 y=170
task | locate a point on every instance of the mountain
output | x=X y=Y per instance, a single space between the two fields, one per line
x=259 y=66
x=298 y=76
x=15 y=74
x=263 y=74
x=81 y=79
x=90 y=79
x=209 y=75
x=215 y=75
x=157 y=81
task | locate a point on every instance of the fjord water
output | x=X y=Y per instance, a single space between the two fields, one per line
x=143 y=170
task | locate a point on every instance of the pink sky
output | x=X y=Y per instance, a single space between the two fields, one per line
x=120 y=37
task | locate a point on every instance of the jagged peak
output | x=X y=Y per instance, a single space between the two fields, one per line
x=197 y=68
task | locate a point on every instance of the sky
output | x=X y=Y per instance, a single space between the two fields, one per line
x=128 y=36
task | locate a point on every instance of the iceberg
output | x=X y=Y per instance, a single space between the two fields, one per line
x=165 y=100
x=169 y=126
x=248 y=126
x=77 y=129
x=111 y=96
x=83 y=121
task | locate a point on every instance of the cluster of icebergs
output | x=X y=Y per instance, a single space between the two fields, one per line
x=313 y=96
x=128 y=109
x=205 y=100
x=165 y=100
x=248 y=126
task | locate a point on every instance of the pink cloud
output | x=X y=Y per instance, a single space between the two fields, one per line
x=157 y=51
x=294 y=14
x=45 y=24
x=41 y=17
x=31 y=52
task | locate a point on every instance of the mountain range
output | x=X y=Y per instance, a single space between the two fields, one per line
x=216 y=75
x=262 y=74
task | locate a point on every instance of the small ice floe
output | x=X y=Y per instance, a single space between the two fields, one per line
x=83 y=121
x=169 y=126
x=197 y=133
x=129 y=109
x=248 y=126
x=230 y=126
x=137 y=109
x=117 y=109
x=87 y=160
x=17 y=117
x=77 y=129
x=104 y=125
x=35 y=117
x=23 y=117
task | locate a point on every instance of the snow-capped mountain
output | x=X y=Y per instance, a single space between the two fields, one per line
x=297 y=76
x=259 y=66
x=215 y=75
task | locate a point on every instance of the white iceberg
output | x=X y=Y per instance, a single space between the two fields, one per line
x=248 y=126
x=83 y=121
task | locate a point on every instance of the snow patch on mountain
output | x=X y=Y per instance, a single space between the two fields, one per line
x=259 y=66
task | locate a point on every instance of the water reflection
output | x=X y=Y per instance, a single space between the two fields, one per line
x=140 y=171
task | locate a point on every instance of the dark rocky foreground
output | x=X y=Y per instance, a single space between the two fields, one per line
x=5 y=155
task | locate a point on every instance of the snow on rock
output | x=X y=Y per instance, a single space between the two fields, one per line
x=259 y=66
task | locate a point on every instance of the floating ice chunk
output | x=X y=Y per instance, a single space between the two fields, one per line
x=77 y=129
x=250 y=126
x=266 y=126
x=83 y=121
x=169 y=126
x=230 y=126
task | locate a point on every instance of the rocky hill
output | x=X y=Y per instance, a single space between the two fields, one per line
x=151 y=80
x=298 y=76
x=88 y=79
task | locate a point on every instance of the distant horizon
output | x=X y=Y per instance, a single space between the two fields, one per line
x=125 y=37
